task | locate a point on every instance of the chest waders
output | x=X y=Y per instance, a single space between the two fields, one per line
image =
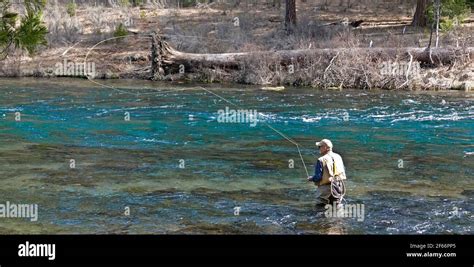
x=338 y=187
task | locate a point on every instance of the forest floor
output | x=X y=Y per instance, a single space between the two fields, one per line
x=88 y=37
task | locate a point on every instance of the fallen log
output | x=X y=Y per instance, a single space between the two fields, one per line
x=166 y=59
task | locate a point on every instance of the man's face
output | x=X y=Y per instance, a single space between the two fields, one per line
x=323 y=149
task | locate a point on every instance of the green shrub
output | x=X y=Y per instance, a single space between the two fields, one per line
x=143 y=14
x=71 y=9
x=137 y=2
x=187 y=3
x=124 y=3
x=120 y=31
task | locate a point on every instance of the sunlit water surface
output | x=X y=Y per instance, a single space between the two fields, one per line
x=408 y=159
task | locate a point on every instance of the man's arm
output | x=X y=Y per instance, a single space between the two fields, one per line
x=318 y=172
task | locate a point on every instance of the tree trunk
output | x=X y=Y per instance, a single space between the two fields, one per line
x=438 y=15
x=290 y=16
x=167 y=60
x=157 y=57
x=419 y=19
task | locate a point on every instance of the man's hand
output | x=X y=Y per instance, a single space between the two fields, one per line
x=310 y=178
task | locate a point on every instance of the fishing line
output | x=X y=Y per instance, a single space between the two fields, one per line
x=266 y=124
x=199 y=87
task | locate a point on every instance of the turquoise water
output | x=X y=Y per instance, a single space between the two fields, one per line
x=136 y=163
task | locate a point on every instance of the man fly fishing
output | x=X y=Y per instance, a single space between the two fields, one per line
x=329 y=175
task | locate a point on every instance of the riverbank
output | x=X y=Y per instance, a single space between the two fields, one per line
x=352 y=71
x=85 y=44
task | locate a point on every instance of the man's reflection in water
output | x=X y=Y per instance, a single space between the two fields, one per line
x=332 y=225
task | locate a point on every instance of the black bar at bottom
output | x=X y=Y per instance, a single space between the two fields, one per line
x=138 y=250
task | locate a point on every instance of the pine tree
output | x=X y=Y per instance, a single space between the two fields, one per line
x=28 y=34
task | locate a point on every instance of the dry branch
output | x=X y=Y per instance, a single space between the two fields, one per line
x=167 y=59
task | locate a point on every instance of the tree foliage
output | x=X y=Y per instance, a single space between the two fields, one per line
x=450 y=11
x=22 y=31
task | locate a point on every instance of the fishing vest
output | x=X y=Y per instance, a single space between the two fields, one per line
x=333 y=167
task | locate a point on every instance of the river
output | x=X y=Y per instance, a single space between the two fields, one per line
x=141 y=157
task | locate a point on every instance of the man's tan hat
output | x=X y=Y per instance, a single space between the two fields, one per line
x=324 y=142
